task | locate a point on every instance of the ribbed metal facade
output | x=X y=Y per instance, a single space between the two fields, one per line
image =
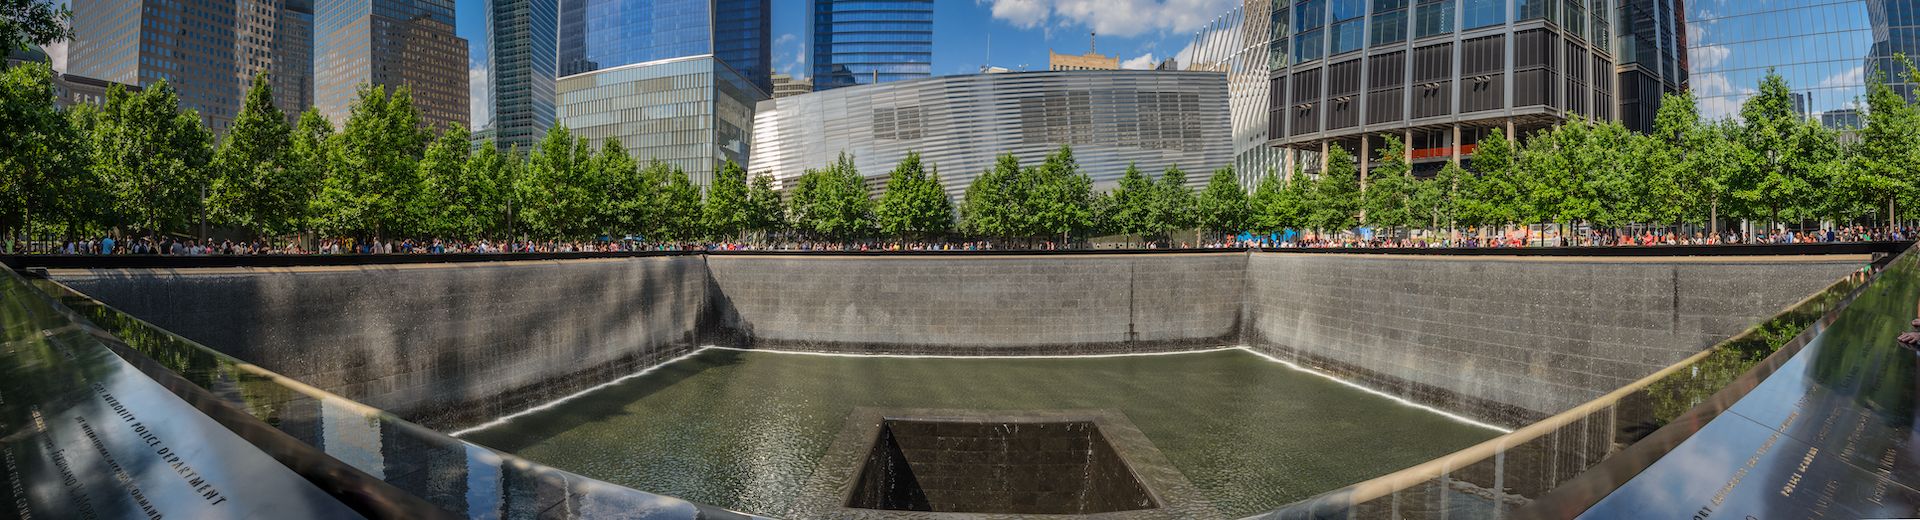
x=694 y=112
x=960 y=124
x=1236 y=43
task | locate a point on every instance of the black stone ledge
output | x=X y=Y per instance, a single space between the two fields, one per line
x=1887 y=247
x=1047 y=349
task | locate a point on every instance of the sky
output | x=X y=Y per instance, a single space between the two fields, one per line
x=1138 y=32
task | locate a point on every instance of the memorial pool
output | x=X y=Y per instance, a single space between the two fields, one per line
x=749 y=430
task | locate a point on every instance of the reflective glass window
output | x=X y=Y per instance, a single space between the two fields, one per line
x=1533 y=9
x=1482 y=13
x=1348 y=9
x=1432 y=17
x=1310 y=14
x=1348 y=36
x=1389 y=27
x=1381 y=6
x=1308 y=46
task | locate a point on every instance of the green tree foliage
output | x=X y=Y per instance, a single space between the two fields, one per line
x=994 y=203
x=1388 y=195
x=1263 y=214
x=1132 y=204
x=25 y=23
x=1774 y=178
x=1223 y=207
x=1059 y=200
x=726 y=214
x=832 y=203
x=489 y=186
x=914 y=205
x=680 y=208
x=43 y=160
x=1437 y=203
x=1671 y=163
x=370 y=183
x=1886 y=158
x=1172 y=203
x=1336 y=195
x=766 y=213
x=1492 y=194
x=450 y=203
x=153 y=158
x=256 y=184
x=562 y=196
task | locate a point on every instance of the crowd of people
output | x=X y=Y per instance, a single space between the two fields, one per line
x=1518 y=237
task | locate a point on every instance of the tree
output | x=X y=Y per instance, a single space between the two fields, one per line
x=42 y=159
x=308 y=158
x=1491 y=195
x=490 y=183
x=766 y=213
x=1388 y=195
x=1677 y=183
x=560 y=189
x=680 y=208
x=256 y=184
x=1133 y=204
x=1336 y=196
x=1172 y=203
x=1885 y=162
x=449 y=203
x=726 y=207
x=1059 y=199
x=1437 y=201
x=1263 y=212
x=1773 y=179
x=835 y=203
x=914 y=204
x=153 y=158
x=1222 y=207
x=25 y=23
x=370 y=184
x=993 y=203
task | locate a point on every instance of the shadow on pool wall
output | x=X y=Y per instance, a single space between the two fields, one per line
x=1498 y=339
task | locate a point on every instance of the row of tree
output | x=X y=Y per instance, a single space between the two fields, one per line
x=141 y=163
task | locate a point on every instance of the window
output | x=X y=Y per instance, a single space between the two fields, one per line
x=1308 y=15
x=1308 y=46
x=1348 y=9
x=1389 y=27
x=1348 y=36
x=1433 y=17
x=1482 y=13
x=1381 y=6
x=1534 y=9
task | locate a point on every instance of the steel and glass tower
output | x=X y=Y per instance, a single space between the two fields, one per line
x=522 y=66
x=1825 y=49
x=856 y=42
x=602 y=34
x=390 y=43
x=208 y=50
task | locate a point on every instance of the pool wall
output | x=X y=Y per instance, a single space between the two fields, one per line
x=1504 y=340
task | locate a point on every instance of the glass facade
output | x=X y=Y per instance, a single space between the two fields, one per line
x=522 y=67
x=960 y=124
x=1438 y=74
x=390 y=43
x=1825 y=49
x=692 y=112
x=1647 y=42
x=208 y=50
x=602 y=34
x=857 y=42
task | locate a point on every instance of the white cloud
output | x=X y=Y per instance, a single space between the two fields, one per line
x=1708 y=56
x=1113 y=17
x=1853 y=77
x=790 y=56
x=1141 y=62
x=479 y=97
x=1711 y=84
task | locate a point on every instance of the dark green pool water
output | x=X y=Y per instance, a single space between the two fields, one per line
x=744 y=430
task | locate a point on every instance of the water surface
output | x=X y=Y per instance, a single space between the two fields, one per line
x=743 y=430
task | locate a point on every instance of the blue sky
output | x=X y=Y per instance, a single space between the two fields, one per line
x=1139 y=32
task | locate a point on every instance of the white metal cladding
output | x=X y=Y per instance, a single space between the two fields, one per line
x=960 y=124
x=1237 y=43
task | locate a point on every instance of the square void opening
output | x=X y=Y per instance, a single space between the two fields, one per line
x=1064 y=467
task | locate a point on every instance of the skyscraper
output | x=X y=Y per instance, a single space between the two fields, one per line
x=293 y=52
x=522 y=65
x=670 y=80
x=208 y=50
x=855 y=42
x=1650 y=40
x=390 y=43
x=602 y=34
x=1824 y=49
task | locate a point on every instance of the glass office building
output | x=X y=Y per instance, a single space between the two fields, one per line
x=1440 y=74
x=521 y=68
x=390 y=43
x=208 y=50
x=961 y=124
x=1650 y=40
x=1824 y=49
x=692 y=112
x=858 y=42
x=601 y=34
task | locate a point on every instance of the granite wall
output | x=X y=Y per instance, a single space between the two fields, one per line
x=981 y=305
x=1503 y=339
x=441 y=344
x=1510 y=340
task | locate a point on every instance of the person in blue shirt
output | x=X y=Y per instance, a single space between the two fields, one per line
x=106 y=245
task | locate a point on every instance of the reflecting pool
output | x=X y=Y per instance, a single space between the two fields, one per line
x=749 y=430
